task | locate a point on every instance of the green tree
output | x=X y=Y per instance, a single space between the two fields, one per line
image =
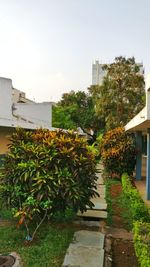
x=77 y=109
x=61 y=118
x=121 y=95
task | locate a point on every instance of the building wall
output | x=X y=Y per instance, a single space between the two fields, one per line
x=5 y=134
x=19 y=97
x=39 y=113
x=5 y=98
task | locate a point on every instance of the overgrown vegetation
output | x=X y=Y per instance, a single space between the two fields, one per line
x=142 y=242
x=117 y=151
x=137 y=207
x=48 y=173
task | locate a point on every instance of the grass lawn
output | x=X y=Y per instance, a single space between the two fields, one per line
x=47 y=250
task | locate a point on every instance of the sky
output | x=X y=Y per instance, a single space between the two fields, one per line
x=47 y=46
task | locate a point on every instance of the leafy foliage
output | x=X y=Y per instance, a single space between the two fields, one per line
x=61 y=118
x=121 y=95
x=118 y=151
x=142 y=242
x=139 y=211
x=77 y=109
x=48 y=172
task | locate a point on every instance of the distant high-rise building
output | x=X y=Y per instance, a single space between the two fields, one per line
x=98 y=73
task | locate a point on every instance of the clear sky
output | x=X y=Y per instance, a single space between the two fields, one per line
x=47 y=46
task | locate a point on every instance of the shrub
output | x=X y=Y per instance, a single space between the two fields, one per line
x=117 y=151
x=48 y=172
x=139 y=211
x=142 y=242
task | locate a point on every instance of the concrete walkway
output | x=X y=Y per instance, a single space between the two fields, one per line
x=87 y=247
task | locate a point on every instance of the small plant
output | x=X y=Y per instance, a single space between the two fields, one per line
x=47 y=173
x=118 y=152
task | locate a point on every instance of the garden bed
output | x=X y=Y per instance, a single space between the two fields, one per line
x=123 y=253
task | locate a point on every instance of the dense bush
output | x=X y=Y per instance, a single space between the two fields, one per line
x=117 y=151
x=142 y=242
x=48 y=172
x=138 y=209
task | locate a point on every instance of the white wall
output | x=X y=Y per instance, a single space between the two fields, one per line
x=39 y=113
x=5 y=98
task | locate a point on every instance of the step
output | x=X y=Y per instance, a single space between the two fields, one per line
x=100 y=199
x=94 y=214
x=84 y=249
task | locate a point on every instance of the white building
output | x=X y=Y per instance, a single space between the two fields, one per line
x=98 y=73
x=18 y=111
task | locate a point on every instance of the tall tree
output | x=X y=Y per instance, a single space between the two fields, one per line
x=121 y=96
x=78 y=110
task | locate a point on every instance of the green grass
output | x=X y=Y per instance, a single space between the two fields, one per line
x=47 y=250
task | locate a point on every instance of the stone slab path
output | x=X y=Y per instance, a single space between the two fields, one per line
x=87 y=247
x=86 y=250
x=100 y=205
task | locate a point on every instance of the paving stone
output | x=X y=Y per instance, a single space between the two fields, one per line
x=88 y=239
x=98 y=206
x=100 y=166
x=93 y=213
x=99 y=175
x=101 y=189
x=100 y=181
x=100 y=199
x=80 y=256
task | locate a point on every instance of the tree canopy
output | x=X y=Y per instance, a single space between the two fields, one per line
x=78 y=110
x=113 y=103
x=121 y=95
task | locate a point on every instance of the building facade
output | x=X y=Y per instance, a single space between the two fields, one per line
x=18 y=111
x=98 y=73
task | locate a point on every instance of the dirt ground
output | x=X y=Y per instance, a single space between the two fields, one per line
x=123 y=253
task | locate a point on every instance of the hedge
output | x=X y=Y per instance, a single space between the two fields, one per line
x=142 y=242
x=140 y=220
x=137 y=206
